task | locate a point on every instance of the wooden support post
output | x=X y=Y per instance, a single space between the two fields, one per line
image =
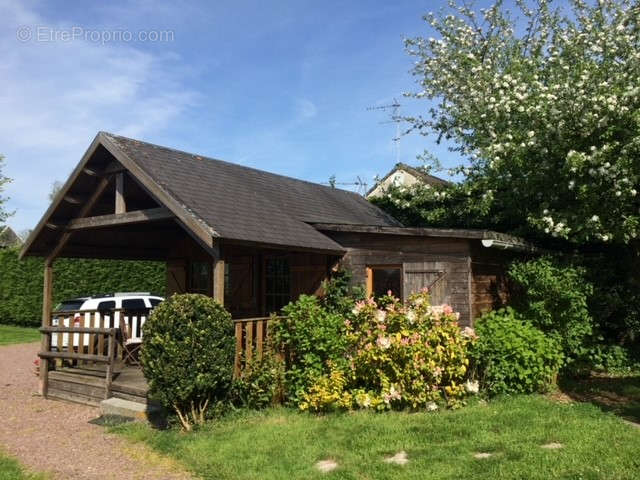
x=45 y=343
x=112 y=358
x=218 y=277
x=237 y=364
x=369 y=282
x=121 y=204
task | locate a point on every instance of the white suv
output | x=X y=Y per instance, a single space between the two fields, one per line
x=138 y=303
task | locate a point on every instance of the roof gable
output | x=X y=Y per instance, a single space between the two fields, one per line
x=414 y=172
x=220 y=199
x=247 y=204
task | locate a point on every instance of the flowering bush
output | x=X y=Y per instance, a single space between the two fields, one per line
x=542 y=103
x=412 y=356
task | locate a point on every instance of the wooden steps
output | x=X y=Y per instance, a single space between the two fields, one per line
x=88 y=385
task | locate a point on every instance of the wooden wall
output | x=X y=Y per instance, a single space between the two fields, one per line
x=489 y=286
x=245 y=288
x=458 y=272
x=443 y=264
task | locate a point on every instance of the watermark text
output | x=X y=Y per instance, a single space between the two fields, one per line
x=47 y=34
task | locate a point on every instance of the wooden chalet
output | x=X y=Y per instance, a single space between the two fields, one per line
x=252 y=240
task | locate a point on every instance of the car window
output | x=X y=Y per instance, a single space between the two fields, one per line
x=69 y=305
x=155 y=302
x=134 y=304
x=106 y=305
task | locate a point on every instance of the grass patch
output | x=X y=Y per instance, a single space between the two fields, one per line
x=10 y=469
x=281 y=443
x=617 y=394
x=10 y=335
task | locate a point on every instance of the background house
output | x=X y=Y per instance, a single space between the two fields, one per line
x=403 y=175
x=8 y=238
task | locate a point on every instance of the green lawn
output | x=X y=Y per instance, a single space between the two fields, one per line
x=10 y=469
x=10 y=335
x=618 y=394
x=281 y=443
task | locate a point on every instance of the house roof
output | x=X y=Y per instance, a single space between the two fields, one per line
x=231 y=201
x=489 y=238
x=8 y=238
x=419 y=174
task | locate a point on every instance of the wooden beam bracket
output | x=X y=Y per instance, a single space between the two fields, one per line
x=118 y=219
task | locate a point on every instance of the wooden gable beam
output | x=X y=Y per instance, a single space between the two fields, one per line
x=195 y=227
x=72 y=200
x=118 y=219
x=121 y=204
x=86 y=208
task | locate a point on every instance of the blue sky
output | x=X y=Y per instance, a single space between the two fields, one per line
x=283 y=86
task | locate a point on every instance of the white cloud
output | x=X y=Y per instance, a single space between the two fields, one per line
x=305 y=108
x=56 y=96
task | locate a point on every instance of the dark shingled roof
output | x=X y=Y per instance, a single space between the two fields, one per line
x=246 y=204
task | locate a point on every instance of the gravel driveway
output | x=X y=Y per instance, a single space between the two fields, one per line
x=54 y=437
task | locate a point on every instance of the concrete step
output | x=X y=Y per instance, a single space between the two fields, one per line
x=126 y=408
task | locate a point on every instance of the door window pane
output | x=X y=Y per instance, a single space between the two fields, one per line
x=385 y=280
x=277 y=284
x=200 y=278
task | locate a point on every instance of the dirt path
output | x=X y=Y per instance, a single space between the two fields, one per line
x=54 y=437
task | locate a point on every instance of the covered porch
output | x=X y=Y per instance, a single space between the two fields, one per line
x=112 y=208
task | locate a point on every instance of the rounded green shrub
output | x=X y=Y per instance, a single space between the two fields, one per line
x=512 y=356
x=187 y=355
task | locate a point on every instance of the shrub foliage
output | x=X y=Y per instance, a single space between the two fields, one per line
x=554 y=297
x=261 y=383
x=513 y=356
x=187 y=355
x=21 y=282
x=310 y=336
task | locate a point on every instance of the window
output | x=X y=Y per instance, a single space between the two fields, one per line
x=200 y=278
x=70 y=305
x=155 y=302
x=103 y=306
x=277 y=284
x=384 y=279
x=134 y=304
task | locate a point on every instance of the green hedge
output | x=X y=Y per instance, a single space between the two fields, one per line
x=21 y=282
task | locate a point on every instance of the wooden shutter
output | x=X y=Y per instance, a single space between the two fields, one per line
x=415 y=279
x=242 y=295
x=176 y=277
x=307 y=279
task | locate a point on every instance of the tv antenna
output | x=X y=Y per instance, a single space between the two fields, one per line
x=360 y=185
x=395 y=110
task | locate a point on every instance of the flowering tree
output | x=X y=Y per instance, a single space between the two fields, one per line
x=546 y=113
x=3 y=181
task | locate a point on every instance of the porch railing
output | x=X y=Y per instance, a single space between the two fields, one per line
x=252 y=335
x=78 y=354
x=90 y=339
